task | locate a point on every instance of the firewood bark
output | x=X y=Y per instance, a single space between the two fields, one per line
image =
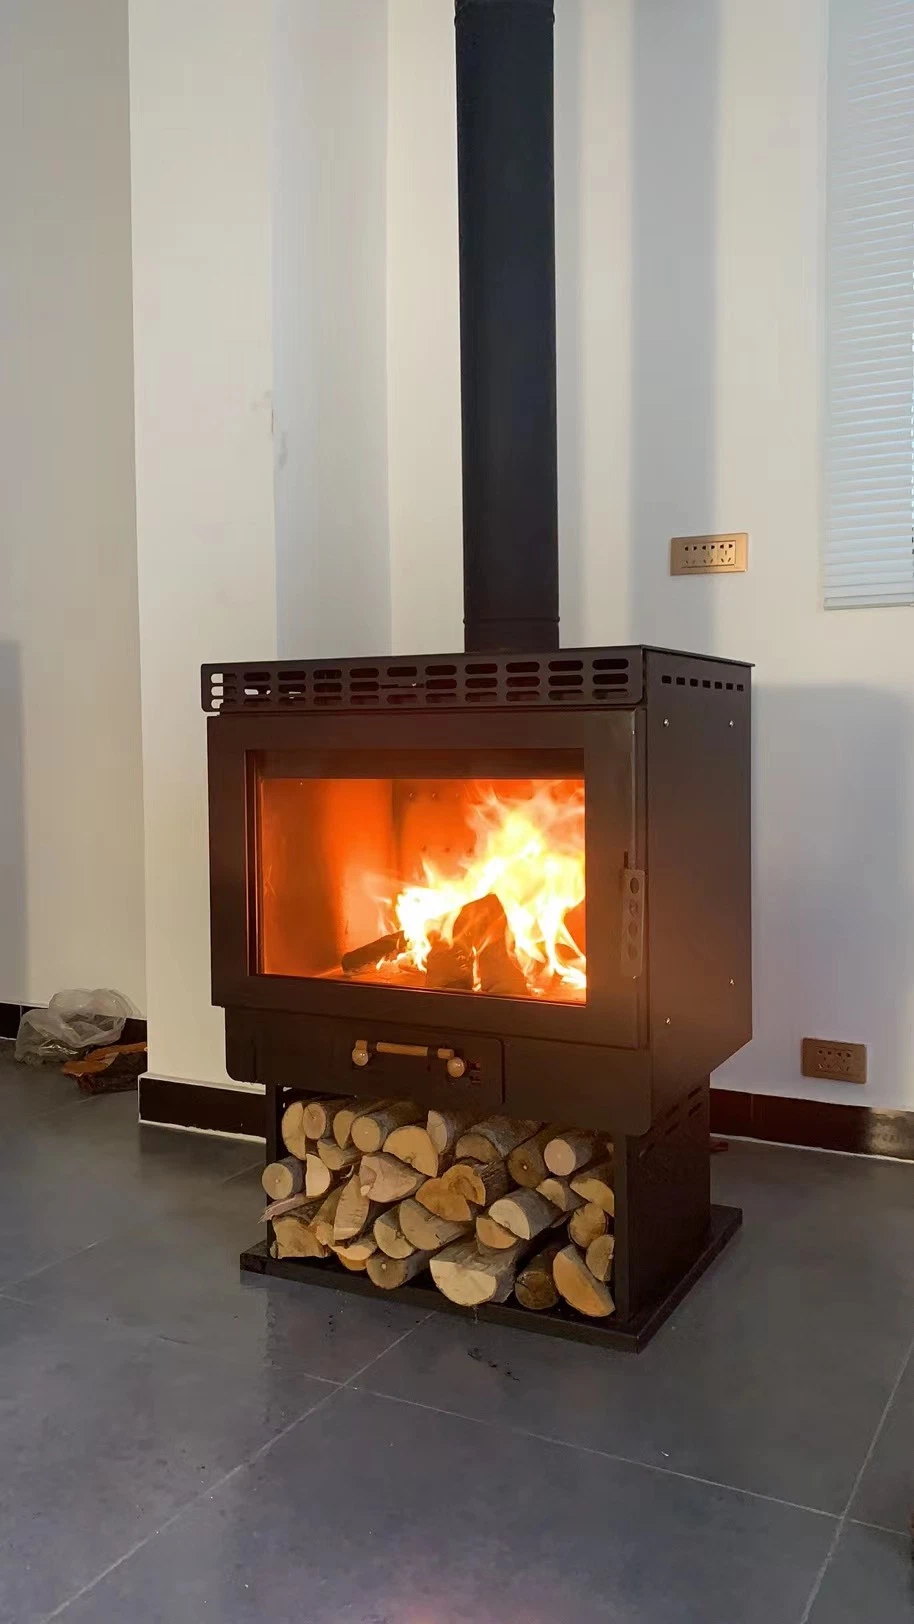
x=491 y=1236
x=391 y=1272
x=468 y=1276
x=342 y=1122
x=587 y=1223
x=386 y=1179
x=526 y=1163
x=282 y=1179
x=355 y=1254
x=318 y=1177
x=413 y=1145
x=371 y=1128
x=560 y=1193
x=293 y=1203
x=480 y=1182
x=293 y=1132
x=325 y=1215
x=493 y=1139
x=535 y=1286
x=426 y=1230
x=355 y=1213
x=335 y=1157
x=568 y=1151
x=578 y=1286
x=596 y=1184
x=390 y=1237
x=445 y=1127
x=525 y=1213
x=371 y=953
x=600 y=1256
x=295 y=1237
x=318 y=1115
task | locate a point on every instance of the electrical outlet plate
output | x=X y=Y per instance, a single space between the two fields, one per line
x=710 y=555
x=839 y=1062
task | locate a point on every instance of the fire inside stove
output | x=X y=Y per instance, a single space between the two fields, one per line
x=451 y=885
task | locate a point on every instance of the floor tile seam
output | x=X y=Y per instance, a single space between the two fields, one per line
x=188 y=1505
x=877 y=1528
x=605 y=1454
x=351 y=1380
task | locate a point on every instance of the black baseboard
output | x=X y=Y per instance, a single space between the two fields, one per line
x=821 y=1126
x=861 y=1129
x=192 y=1105
x=11 y=1014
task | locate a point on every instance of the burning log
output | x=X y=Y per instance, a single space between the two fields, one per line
x=389 y=1272
x=470 y=1277
x=318 y=1115
x=386 y=1179
x=428 y=1231
x=524 y=1213
x=413 y=1146
x=578 y=1286
x=282 y=1179
x=372 y=1127
x=373 y=953
x=561 y=1194
x=587 y=1223
x=449 y=967
x=479 y=923
x=390 y=1237
x=491 y=1140
x=526 y=1163
x=481 y=927
x=445 y=1127
x=595 y=1184
x=293 y=1130
x=499 y=973
x=535 y=1285
x=568 y=1151
x=600 y=1256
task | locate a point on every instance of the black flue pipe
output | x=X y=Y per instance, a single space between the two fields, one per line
x=505 y=155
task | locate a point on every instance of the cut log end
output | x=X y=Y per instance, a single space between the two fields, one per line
x=578 y=1286
x=282 y=1179
x=587 y=1223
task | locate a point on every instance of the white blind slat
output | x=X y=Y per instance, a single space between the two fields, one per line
x=869 y=526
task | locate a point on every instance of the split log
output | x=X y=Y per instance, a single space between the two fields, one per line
x=293 y=1133
x=342 y=1122
x=335 y=1157
x=390 y=1237
x=325 y=1215
x=587 y=1223
x=535 y=1286
x=449 y=967
x=596 y=1184
x=386 y=1179
x=427 y=1231
x=499 y=973
x=466 y=1275
x=318 y=1177
x=391 y=1272
x=295 y=1237
x=600 y=1256
x=445 y=1127
x=526 y=1163
x=445 y=1202
x=480 y=1182
x=282 y=1179
x=371 y=1128
x=293 y=1203
x=413 y=1146
x=355 y=1254
x=491 y=1236
x=493 y=1139
x=525 y=1213
x=568 y=1151
x=478 y=922
x=373 y=953
x=318 y=1115
x=355 y=1213
x=560 y=1193
x=578 y=1286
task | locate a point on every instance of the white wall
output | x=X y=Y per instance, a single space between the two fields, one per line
x=690 y=209
x=329 y=283
x=200 y=119
x=71 y=817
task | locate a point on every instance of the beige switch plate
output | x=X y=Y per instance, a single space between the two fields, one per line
x=710 y=555
x=839 y=1062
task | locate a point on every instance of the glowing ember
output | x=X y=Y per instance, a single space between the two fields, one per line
x=529 y=855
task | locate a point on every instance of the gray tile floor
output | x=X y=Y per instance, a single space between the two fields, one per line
x=178 y=1443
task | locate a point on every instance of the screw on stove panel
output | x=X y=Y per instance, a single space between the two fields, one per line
x=710 y=555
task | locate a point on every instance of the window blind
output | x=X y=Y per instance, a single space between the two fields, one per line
x=869 y=530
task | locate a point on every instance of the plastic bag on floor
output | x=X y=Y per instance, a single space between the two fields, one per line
x=73 y=1022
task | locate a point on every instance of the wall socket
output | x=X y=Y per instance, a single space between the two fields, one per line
x=710 y=555
x=839 y=1062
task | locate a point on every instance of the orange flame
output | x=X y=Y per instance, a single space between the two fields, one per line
x=529 y=853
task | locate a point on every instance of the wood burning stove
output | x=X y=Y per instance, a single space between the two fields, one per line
x=513 y=882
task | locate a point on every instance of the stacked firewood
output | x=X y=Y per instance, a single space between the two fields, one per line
x=488 y=1208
